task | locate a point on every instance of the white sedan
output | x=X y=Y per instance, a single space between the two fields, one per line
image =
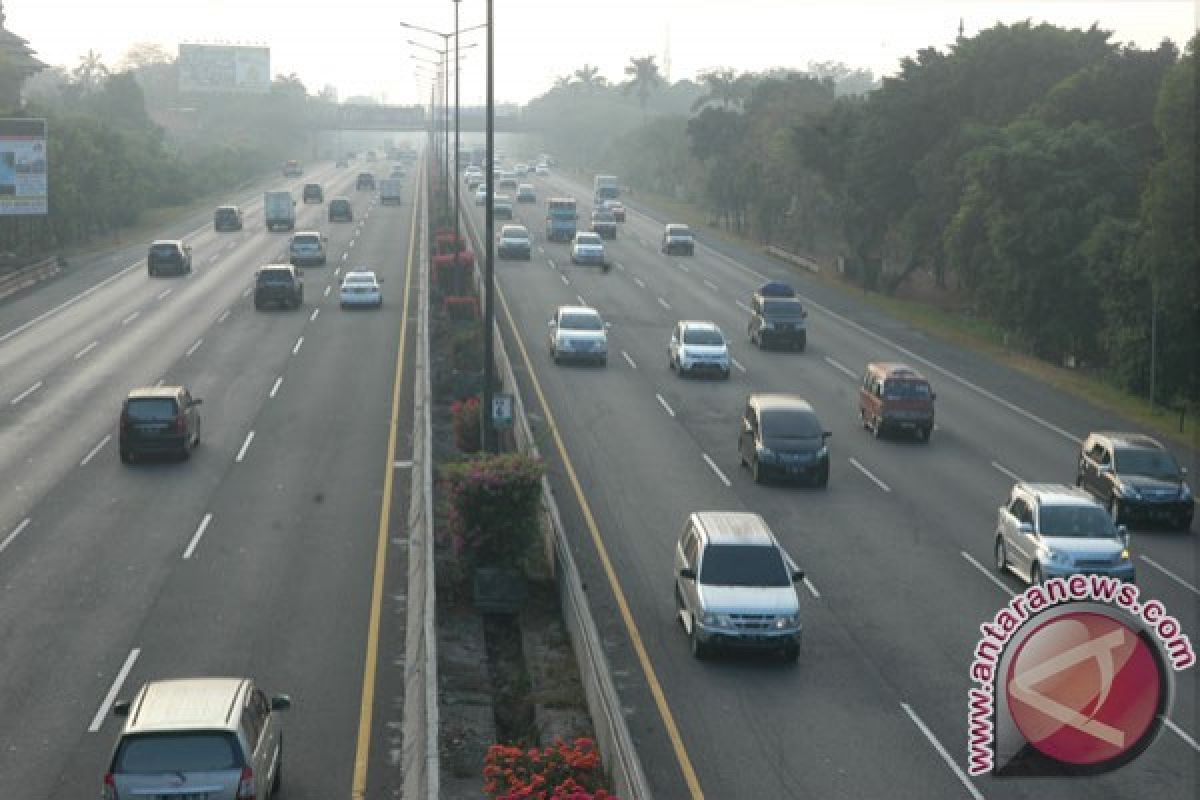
x=361 y=288
x=588 y=249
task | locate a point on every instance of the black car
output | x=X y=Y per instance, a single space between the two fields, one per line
x=1136 y=478
x=313 y=193
x=278 y=285
x=365 y=181
x=159 y=420
x=340 y=210
x=604 y=223
x=227 y=218
x=782 y=437
x=169 y=256
x=777 y=318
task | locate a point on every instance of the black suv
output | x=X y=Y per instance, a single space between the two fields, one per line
x=678 y=238
x=1136 y=478
x=365 y=181
x=157 y=420
x=227 y=218
x=781 y=436
x=777 y=317
x=278 y=285
x=169 y=256
x=313 y=193
x=340 y=210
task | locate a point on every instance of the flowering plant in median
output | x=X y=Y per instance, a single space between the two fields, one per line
x=557 y=772
x=493 y=503
x=465 y=420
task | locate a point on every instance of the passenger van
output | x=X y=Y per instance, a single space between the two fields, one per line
x=895 y=397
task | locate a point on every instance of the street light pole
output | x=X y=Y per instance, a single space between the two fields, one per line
x=489 y=280
x=457 y=147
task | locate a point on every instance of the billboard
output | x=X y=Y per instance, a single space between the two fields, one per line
x=224 y=68
x=23 y=167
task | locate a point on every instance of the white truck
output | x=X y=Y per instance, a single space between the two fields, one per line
x=279 y=211
x=605 y=187
x=390 y=190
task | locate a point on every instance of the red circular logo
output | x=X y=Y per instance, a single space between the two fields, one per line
x=1084 y=688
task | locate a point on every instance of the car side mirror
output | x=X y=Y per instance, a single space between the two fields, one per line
x=607 y=326
x=797 y=575
x=551 y=323
x=121 y=709
x=281 y=702
x=826 y=434
x=1025 y=528
x=688 y=573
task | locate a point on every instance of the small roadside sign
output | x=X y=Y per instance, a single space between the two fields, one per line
x=502 y=411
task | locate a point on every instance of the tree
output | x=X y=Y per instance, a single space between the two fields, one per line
x=589 y=78
x=644 y=78
x=722 y=89
x=144 y=54
x=90 y=73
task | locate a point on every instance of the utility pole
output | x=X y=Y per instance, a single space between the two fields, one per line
x=489 y=274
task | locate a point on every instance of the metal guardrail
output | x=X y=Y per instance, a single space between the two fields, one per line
x=794 y=258
x=420 y=736
x=22 y=278
x=613 y=737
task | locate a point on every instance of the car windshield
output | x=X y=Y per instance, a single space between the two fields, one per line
x=897 y=390
x=603 y=216
x=1151 y=463
x=790 y=424
x=361 y=279
x=339 y=205
x=709 y=336
x=164 y=250
x=782 y=308
x=274 y=276
x=581 y=322
x=306 y=240
x=743 y=565
x=203 y=751
x=1075 y=521
x=679 y=233
x=151 y=409
x=516 y=233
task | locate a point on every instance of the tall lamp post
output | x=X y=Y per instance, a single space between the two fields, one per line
x=489 y=273
x=445 y=56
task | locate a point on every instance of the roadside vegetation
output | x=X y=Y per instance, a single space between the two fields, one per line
x=1032 y=182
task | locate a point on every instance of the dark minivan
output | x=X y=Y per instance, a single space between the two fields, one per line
x=895 y=397
x=227 y=218
x=169 y=256
x=159 y=420
x=340 y=210
x=782 y=437
x=313 y=193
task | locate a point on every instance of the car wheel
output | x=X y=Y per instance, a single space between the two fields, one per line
x=185 y=453
x=725 y=375
x=277 y=781
x=877 y=427
x=823 y=477
x=126 y=456
x=699 y=648
x=678 y=601
x=757 y=471
x=1035 y=574
x=790 y=653
x=1079 y=480
x=1001 y=555
x=1114 y=510
x=258 y=306
x=923 y=432
x=862 y=416
x=1184 y=522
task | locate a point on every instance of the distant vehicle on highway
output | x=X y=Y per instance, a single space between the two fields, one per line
x=514 y=242
x=279 y=210
x=617 y=208
x=526 y=193
x=561 y=218
x=698 y=347
x=481 y=195
x=221 y=735
x=578 y=333
x=307 y=249
x=340 y=210
x=1136 y=478
x=371 y=155
x=677 y=239
x=169 y=256
x=391 y=192
x=777 y=317
x=227 y=218
x=365 y=181
x=541 y=170
x=604 y=223
x=361 y=289
x=506 y=180
x=589 y=250
x=735 y=586
x=278 y=285
x=313 y=193
x=502 y=206
x=292 y=169
x=605 y=187
x=781 y=437
x=895 y=397
x=158 y=420
x=1048 y=530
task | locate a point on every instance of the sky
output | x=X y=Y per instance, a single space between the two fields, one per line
x=360 y=46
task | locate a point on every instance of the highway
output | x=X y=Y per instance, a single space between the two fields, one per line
x=253 y=558
x=897 y=550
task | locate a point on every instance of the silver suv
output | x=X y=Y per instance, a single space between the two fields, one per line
x=735 y=586
x=211 y=738
x=307 y=249
x=578 y=333
x=1048 y=530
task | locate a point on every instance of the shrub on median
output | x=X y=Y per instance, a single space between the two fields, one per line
x=493 y=503
x=557 y=772
x=465 y=420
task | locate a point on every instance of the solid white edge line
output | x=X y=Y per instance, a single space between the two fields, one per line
x=111 y=697
x=22 y=525
x=25 y=393
x=92 y=453
x=867 y=472
x=245 y=446
x=299 y=342
x=737 y=363
x=629 y=359
x=1181 y=733
x=275 y=388
x=1170 y=574
x=191 y=548
x=664 y=304
x=224 y=316
x=962 y=776
x=987 y=573
x=1006 y=471
x=87 y=350
x=66 y=303
x=195 y=346
x=812 y=589
x=327 y=290
x=663 y=403
x=641 y=283
x=131 y=318
x=840 y=367
x=713 y=466
x=314 y=314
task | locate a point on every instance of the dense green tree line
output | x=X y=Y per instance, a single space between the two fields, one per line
x=121 y=142
x=1045 y=176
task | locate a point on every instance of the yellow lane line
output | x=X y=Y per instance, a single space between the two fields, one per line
x=660 y=699
x=358 y=788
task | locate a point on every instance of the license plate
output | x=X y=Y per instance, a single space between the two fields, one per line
x=188 y=796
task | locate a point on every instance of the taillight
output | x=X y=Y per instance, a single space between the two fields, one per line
x=109 y=792
x=246 y=790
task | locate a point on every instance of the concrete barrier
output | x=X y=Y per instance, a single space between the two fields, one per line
x=793 y=258
x=23 y=278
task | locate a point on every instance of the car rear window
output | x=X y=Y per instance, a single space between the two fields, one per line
x=782 y=308
x=743 y=565
x=781 y=423
x=150 y=409
x=340 y=205
x=164 y=251
x=1151 y=463
x=306 y=240
x=581 y=322
x=702 y=336
x=1083 y=522
x=603 y=216
x=199 y=751
x=587 y=238
x=898 y=390
x=274 y=277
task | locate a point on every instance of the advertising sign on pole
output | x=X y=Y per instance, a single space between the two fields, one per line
x=23 y=186
x=224 y=68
